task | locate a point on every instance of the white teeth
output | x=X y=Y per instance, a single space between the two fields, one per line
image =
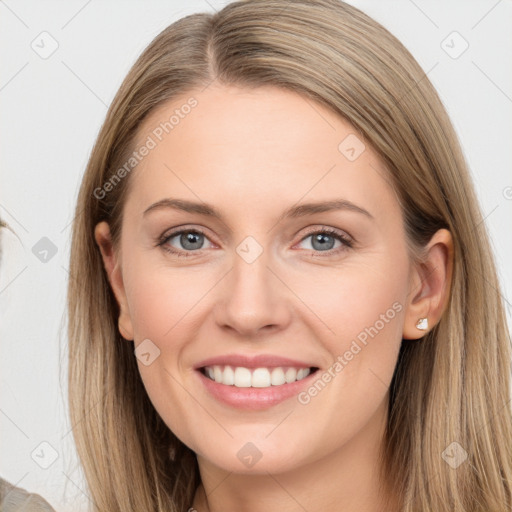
x=228 y=376
x=217 y=373
x=241 y=377
x=290 y=375
x=277 y=377
x=260 y=378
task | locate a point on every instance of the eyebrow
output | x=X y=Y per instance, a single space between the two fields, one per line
x=300 y=210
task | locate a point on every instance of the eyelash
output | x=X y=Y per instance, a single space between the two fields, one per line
x=347 y=242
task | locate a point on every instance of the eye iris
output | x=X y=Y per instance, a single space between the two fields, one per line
x=191 y=238
x=320 y=237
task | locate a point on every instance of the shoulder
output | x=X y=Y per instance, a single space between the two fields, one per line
x=15 y=499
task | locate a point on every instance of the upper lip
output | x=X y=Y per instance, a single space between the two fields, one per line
x=259 y=361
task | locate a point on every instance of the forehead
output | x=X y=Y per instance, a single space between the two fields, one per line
x=255 y=120
x=259 y=146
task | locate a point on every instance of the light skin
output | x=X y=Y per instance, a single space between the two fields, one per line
x=252 y=154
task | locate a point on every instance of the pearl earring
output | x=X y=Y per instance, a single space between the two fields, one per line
x=422 y=324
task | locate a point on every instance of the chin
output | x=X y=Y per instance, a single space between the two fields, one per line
x=257 y=457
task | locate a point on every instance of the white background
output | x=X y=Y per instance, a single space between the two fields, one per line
x=52 y=110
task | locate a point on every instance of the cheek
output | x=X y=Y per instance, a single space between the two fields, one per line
x=362 y=302
x=163 y=303
x=162 y=299
x=361 y=308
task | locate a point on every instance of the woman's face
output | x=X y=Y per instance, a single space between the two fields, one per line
x=271 y=288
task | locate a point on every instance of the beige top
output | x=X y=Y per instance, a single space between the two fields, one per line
x=15 y=499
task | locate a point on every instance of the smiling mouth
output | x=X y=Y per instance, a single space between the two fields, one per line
x=263 y=377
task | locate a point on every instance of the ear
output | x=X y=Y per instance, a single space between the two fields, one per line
x=112 y=266
x=430 y=285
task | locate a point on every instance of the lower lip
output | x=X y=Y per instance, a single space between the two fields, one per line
x=254 y=399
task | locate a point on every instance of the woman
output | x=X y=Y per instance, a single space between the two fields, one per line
x=264 y=367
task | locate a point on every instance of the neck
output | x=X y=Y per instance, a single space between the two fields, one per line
x=347 y=479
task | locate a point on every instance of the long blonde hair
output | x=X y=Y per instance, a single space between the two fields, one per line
x=451 y=387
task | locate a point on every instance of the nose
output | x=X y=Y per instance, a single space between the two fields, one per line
x=253 y=300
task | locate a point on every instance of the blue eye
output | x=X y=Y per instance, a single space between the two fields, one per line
x=191 y=241
x=323 y=240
